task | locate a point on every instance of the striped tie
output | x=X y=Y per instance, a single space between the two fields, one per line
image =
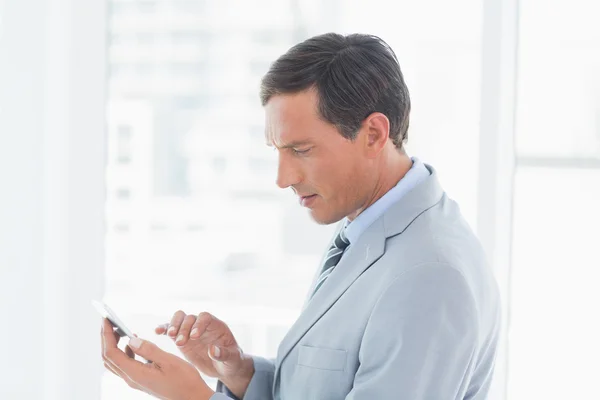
x=334 y=254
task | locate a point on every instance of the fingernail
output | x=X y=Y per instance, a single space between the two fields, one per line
x=135 y=342
x=171 y=330
x=179 y=338
x=194 y=332
x=217 y=352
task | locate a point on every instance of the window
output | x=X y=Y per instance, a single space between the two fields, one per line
x=145 y=38
x=219 y=164
x=559 y=80
x=123 y=194
x=256 y=133
x=261 y=165
x=122 y=227
x=192 y=69
x=189 y=6
x=121 y=70
x=554 y=329
x=146 y=6
x=554 y=290
x=124 y=145
x=259 y=67
x=117 y=8
x=190 y=102
x=144 y=69
x=196 y=37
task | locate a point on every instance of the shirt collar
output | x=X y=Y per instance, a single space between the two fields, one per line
x=417 y=173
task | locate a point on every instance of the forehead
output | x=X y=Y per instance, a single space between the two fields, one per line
x=292 y=117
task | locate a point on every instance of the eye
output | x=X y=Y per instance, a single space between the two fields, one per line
x=300 y=152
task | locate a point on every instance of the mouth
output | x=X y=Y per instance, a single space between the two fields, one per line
x=306 y=201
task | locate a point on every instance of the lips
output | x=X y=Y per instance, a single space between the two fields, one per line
x=307 y=201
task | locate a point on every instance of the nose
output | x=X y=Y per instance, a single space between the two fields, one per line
x=287 y=173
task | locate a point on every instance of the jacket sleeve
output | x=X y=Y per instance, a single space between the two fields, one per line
x=260 y=387
x=421 y=338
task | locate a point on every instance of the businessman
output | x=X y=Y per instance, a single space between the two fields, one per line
x=403 y=305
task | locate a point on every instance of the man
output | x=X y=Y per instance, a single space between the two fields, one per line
x=403 y=306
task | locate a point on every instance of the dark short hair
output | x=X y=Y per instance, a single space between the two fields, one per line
x=354 y=75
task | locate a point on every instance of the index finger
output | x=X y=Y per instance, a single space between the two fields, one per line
x=162 y=329
x=176 y=322
x=203 y=320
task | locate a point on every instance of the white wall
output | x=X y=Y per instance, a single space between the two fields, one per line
x=20 y=206
x=51 y=197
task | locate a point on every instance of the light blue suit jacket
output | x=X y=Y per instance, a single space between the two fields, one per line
x=411 y=311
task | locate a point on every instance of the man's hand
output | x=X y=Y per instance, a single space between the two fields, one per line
x=209 y=345
x=166 y=377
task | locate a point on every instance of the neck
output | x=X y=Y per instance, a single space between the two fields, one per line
x=392 y=169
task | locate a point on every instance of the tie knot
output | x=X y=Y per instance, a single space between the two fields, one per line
x=341 y=241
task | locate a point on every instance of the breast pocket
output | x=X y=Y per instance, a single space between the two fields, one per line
x=322 y=358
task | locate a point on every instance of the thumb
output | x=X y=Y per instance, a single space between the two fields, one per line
x=224 y=354
x=146 y=349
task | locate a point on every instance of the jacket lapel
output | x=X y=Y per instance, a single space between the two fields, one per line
x=359 y=257
x=354 y=262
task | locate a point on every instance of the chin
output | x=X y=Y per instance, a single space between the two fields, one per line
x=324 y=218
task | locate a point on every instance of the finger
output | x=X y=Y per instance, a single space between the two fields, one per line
x=129 y=352
x=202 y=322
x=115 y=370
x=133 y=372
x=115 y=330
x=102 y=337
x=161 y=329
x=106 y=364
x=120 y=374
x=111 y=355
x=108 y=367
x=184 y=330
x=224 y=354
x=117 y=336
x=109 y=337
x=103 y=345
x=176 y=323
x=148 y=351
x=124 y=366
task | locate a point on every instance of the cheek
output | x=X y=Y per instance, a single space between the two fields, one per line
x=339 y=179
x=351 y=183
x=325 y=175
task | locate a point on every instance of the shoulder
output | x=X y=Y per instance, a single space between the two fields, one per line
x=429 y=281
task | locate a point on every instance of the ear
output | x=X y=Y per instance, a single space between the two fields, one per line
x=376 y=131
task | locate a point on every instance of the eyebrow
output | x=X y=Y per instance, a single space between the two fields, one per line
x=296 y=143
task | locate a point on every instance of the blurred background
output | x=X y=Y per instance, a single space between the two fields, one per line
x=133 y=169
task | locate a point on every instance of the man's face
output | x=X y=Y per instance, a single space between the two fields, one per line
x=323 y=168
